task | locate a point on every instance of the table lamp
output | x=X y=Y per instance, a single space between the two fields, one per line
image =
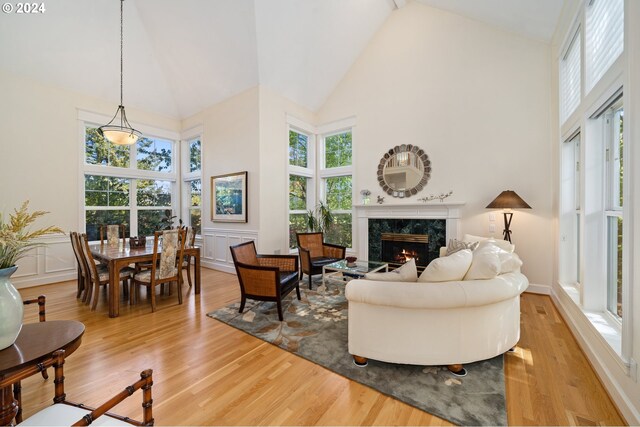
x=508 y=200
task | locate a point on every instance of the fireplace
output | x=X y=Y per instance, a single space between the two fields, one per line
x=396 y=240
x=398 y=248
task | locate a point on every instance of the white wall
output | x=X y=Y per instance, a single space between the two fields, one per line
x=230 y=143
x=40 y=157
x=476 y=99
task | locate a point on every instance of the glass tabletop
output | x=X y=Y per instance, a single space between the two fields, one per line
x=359 y=267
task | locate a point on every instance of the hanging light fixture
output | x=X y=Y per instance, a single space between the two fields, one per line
x=119 y=131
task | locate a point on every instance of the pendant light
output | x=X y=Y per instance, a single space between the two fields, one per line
x=119 y=131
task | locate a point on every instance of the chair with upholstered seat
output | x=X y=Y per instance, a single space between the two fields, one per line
x=113 y=233
x=167 y=270
x=98 y=274
x=315 y=253
x=64 y=412
x=190 y=242
x=264 y=277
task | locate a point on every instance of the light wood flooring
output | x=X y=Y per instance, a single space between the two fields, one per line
x=208 y=373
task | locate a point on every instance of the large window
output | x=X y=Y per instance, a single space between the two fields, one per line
x=337 y=186
x=570 y=212
x=192 y=183
x=301 y=183
x=130 y=185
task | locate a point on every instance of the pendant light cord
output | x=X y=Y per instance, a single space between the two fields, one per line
x=121 y=55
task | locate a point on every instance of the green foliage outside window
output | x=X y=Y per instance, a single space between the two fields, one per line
x=106 y=191
x=340 y=231
x=297 y=193
x=99 y=151
x=298 y=145
x=96 y=218
x=153 y=193
x=154 y=154
x=339 y=193
x=195 y=156
x=338 y=150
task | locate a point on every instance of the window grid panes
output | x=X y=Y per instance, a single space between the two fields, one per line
x=297 y=207
x=604 y=37
x=615 y=125
x=338 y=193
x=99 y=151
x=195 y=205
x=195 y=155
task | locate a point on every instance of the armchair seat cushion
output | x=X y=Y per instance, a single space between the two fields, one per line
x=61 y=414
x=288 y=276
x=322 y=261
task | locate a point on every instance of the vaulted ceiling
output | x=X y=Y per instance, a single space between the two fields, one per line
x=184 y=56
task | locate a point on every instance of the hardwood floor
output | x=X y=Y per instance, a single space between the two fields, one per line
x=208 y=373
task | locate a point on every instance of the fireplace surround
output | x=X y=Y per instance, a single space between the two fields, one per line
x=449 y=225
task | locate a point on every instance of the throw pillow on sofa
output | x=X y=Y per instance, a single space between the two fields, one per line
x=502 y=244
x=407 y=272
x=448 y=268
x=485 y=263
x=509 y=262
x=458 y=245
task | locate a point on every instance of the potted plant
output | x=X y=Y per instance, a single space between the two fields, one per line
x=16 y=240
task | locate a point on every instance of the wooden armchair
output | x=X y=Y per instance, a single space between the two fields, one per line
x=17 y=387
x=264 y=277
x=64 y=412
x=315 y=253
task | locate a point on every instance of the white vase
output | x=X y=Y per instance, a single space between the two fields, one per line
x=11 y=309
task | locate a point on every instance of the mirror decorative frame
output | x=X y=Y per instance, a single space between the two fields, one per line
x=404 y=148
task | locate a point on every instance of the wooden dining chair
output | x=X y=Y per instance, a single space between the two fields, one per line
x=166 y=266
x=113 y=233
x=98 y=274
x=190 y=242
x=64 y=412
x=41 y=300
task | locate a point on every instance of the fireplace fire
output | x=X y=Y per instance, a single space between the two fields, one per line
x=399 y=248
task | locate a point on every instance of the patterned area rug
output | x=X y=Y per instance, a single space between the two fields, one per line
x=316 y=329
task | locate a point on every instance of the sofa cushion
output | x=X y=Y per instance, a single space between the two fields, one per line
x=485 y=263
x=509 y=262
x=408 y=272
x=448 y=268
x=502 y=244
x=458 y=245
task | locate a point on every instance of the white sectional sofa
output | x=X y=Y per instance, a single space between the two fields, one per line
x=441 y=323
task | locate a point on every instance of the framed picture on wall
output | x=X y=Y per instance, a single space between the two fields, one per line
x=229 y=197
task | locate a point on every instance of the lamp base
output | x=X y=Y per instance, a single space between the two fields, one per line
x=507 y=223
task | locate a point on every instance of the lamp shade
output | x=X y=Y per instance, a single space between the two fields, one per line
x=508 y=200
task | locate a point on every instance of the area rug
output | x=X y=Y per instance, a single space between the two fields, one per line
x=316 y=328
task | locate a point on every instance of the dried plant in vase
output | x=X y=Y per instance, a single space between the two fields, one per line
x=16 y=240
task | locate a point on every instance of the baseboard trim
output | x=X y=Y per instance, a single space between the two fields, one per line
x=31 y=281
x=595 y=350
x=218 y=266
x=539 y=289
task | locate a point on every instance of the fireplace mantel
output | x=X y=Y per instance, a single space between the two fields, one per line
x=450 y=211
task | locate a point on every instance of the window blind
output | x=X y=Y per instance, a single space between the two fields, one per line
x=604 y=37
x=570 y=78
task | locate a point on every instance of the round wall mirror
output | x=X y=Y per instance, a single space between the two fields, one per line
x=404 y=170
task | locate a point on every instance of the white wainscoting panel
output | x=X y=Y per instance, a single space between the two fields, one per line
x=52 y=263
x=216 y=243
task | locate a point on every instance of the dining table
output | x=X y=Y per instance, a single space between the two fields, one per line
x=118 y=257
x=35 y=343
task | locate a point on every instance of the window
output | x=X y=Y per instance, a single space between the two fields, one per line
x=337 y=188
x=130 y=185
x=301 y=189
x=571 y=212
x=614 y=125
x=192 y=184
x=604 y=37
x=570 y=78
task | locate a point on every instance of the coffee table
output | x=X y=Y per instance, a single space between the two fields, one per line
x=343 y=271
